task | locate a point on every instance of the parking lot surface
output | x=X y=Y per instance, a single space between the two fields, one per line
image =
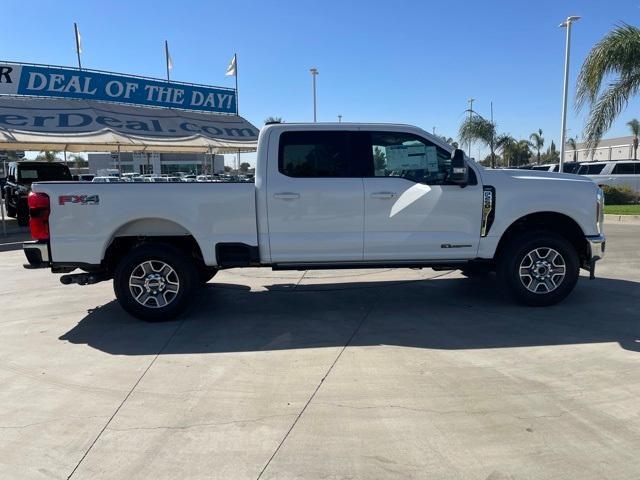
x=324 y=374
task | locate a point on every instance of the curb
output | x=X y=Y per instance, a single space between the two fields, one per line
x=630 y=219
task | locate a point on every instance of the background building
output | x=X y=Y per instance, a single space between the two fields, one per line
x=157 y=163
x=620 y=148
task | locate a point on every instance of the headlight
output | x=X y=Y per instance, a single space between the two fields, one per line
x=600 y=210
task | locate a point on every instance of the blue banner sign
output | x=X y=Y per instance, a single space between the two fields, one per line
x=62 y=82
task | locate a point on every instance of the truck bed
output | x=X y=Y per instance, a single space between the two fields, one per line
x=86 y=216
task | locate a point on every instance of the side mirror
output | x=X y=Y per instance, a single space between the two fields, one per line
x=459 y=168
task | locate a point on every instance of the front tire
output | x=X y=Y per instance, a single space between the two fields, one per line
x=539 y=268
x=155 y=282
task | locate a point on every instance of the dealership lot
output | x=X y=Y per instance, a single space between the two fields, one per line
x=329 y=374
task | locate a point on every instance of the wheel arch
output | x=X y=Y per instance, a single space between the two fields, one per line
x=556 y=222
x=149 y=230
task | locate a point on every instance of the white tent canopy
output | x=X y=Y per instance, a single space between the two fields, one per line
x=90 y=126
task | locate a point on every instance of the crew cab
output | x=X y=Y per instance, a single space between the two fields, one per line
x=20 y=176
x=325 y=196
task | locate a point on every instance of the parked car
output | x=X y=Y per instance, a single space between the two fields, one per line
x=20 y=177
x=84 y=177
x=614 y=173
x=108 y=179
x=569 y=167
x=321 y=201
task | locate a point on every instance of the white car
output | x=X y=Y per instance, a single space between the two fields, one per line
x=325 y=196
x=105 y=180
x=614 y=173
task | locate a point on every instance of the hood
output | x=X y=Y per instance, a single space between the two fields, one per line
x=490 y=175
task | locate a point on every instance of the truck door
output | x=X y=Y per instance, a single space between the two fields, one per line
x=411 y=211
x=315 y=199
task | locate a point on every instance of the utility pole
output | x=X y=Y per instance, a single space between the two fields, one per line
x=314 y=74
x=471 y=100
x=493 y=156
x=565 y=92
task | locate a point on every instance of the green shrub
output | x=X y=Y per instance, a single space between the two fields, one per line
x=620 y=195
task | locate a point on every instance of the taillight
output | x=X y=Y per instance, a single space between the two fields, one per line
x=39 y=209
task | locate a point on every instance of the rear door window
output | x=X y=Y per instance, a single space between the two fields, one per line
x=320 y=154
x=624 y=169
x=591 y=169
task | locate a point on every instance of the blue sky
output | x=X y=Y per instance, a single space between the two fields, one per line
x=403 y=61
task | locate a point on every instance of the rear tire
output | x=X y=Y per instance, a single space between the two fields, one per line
x=155 y=282
x=22 y=214
x=539 y=268
x=11 y=211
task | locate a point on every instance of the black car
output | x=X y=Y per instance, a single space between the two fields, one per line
x=20 y=176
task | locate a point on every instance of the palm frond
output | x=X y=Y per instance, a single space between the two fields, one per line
x=608 y=106
x=617 y=53
x=634 y=126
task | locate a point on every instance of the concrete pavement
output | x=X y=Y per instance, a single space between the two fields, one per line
x=336 y=374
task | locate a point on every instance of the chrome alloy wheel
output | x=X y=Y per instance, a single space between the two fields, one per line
x=542 y=270
x=154 y=284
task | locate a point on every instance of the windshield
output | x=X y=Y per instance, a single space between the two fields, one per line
x=43 y=173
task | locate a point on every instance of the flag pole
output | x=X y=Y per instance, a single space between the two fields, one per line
x=235 y=57
x=166 y=56
x=75 y=29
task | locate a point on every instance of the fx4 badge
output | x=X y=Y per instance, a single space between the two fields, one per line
x=79 y=199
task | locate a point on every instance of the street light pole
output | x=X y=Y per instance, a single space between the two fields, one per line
x=471 y=100
x=314 y=73
x=565 y=92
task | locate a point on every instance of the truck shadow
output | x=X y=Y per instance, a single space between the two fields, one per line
x=449 y=313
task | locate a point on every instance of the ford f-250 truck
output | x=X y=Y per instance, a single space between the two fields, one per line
x=325 y=196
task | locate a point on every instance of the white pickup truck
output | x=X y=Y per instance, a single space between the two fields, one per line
x=325 y=196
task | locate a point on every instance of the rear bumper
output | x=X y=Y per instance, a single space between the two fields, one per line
x=37 y=253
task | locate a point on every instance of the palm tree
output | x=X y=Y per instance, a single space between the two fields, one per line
x=47 y=156
x=506 y=144
x=481 y=130
x=571 y=142
x=269 y=120
x=634 y=125
x=615 y=58
x=537 y=140
x=448 y=140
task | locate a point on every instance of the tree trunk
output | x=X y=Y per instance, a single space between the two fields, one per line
x=635 y=147
x=538 y=156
